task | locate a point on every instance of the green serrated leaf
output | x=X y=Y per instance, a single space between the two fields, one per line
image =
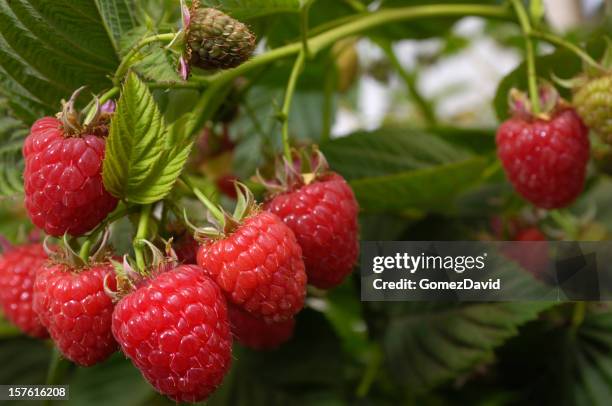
x=170 y=164
x=592 y=363
x=143 y=157
x=570 y=363
x=50 y=48
x=432 y=189
x=118 y=18
x=153 y=62
x=388 y=151
x=12 y=134
x=435 y=343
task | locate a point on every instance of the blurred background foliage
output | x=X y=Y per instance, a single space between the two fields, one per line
x=407 y=113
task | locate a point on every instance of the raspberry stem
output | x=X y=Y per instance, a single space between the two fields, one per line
x=331 y=78
x=141 y=234
x=560 y=42
x=567 y=222
x=374 y=363
x=356 y=5
x=109 y=94
x=127 y=59
x=93 y=235
x=215 y=211
x=210 y=99
x=57 y=369
x=532 y=81
x=304 y=26
x=409 y=80
x=295 y=73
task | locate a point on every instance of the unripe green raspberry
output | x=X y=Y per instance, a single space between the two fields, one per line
x=593 y=102
x=217 y=41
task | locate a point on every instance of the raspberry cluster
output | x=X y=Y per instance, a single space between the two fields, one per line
x=177 y=318
x=174 y=314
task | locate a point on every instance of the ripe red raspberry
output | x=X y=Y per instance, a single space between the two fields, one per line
x=18 y=268
x=259 y=267
x=323 y=216
x=76 y=310
x=256 y=333
x=64 y=192
x=174 y=328
x=545 y=160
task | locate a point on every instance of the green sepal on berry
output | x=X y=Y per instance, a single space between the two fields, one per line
x=550 y=103
x=127 y=276
x=67 y=255
x=95 y=122
x=221 y=222
x=307 y=165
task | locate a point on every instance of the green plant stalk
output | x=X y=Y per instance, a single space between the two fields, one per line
x=84 y=251
x=203 y=111
x=163 y=220
x=560 y=42
x=390 y=15
x=141 y=234
x=113 y=91
x=356 y=5
x=217 y=213
x=295 y=73
x=57 y=369
x=209 y=102
x=566 y=221
x=177 y=85
x=88 y=110
x=532 y=79
x=374 y=362
x=328 y=96
x=93 y=236
x=423 y=105
x=206 y=201
x=334 y=23
x=109 y=94
x=304 y=26
x=126 y=61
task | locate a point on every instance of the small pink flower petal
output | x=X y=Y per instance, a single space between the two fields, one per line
x=185 y=14
x=109 y=107
x=183 y=68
